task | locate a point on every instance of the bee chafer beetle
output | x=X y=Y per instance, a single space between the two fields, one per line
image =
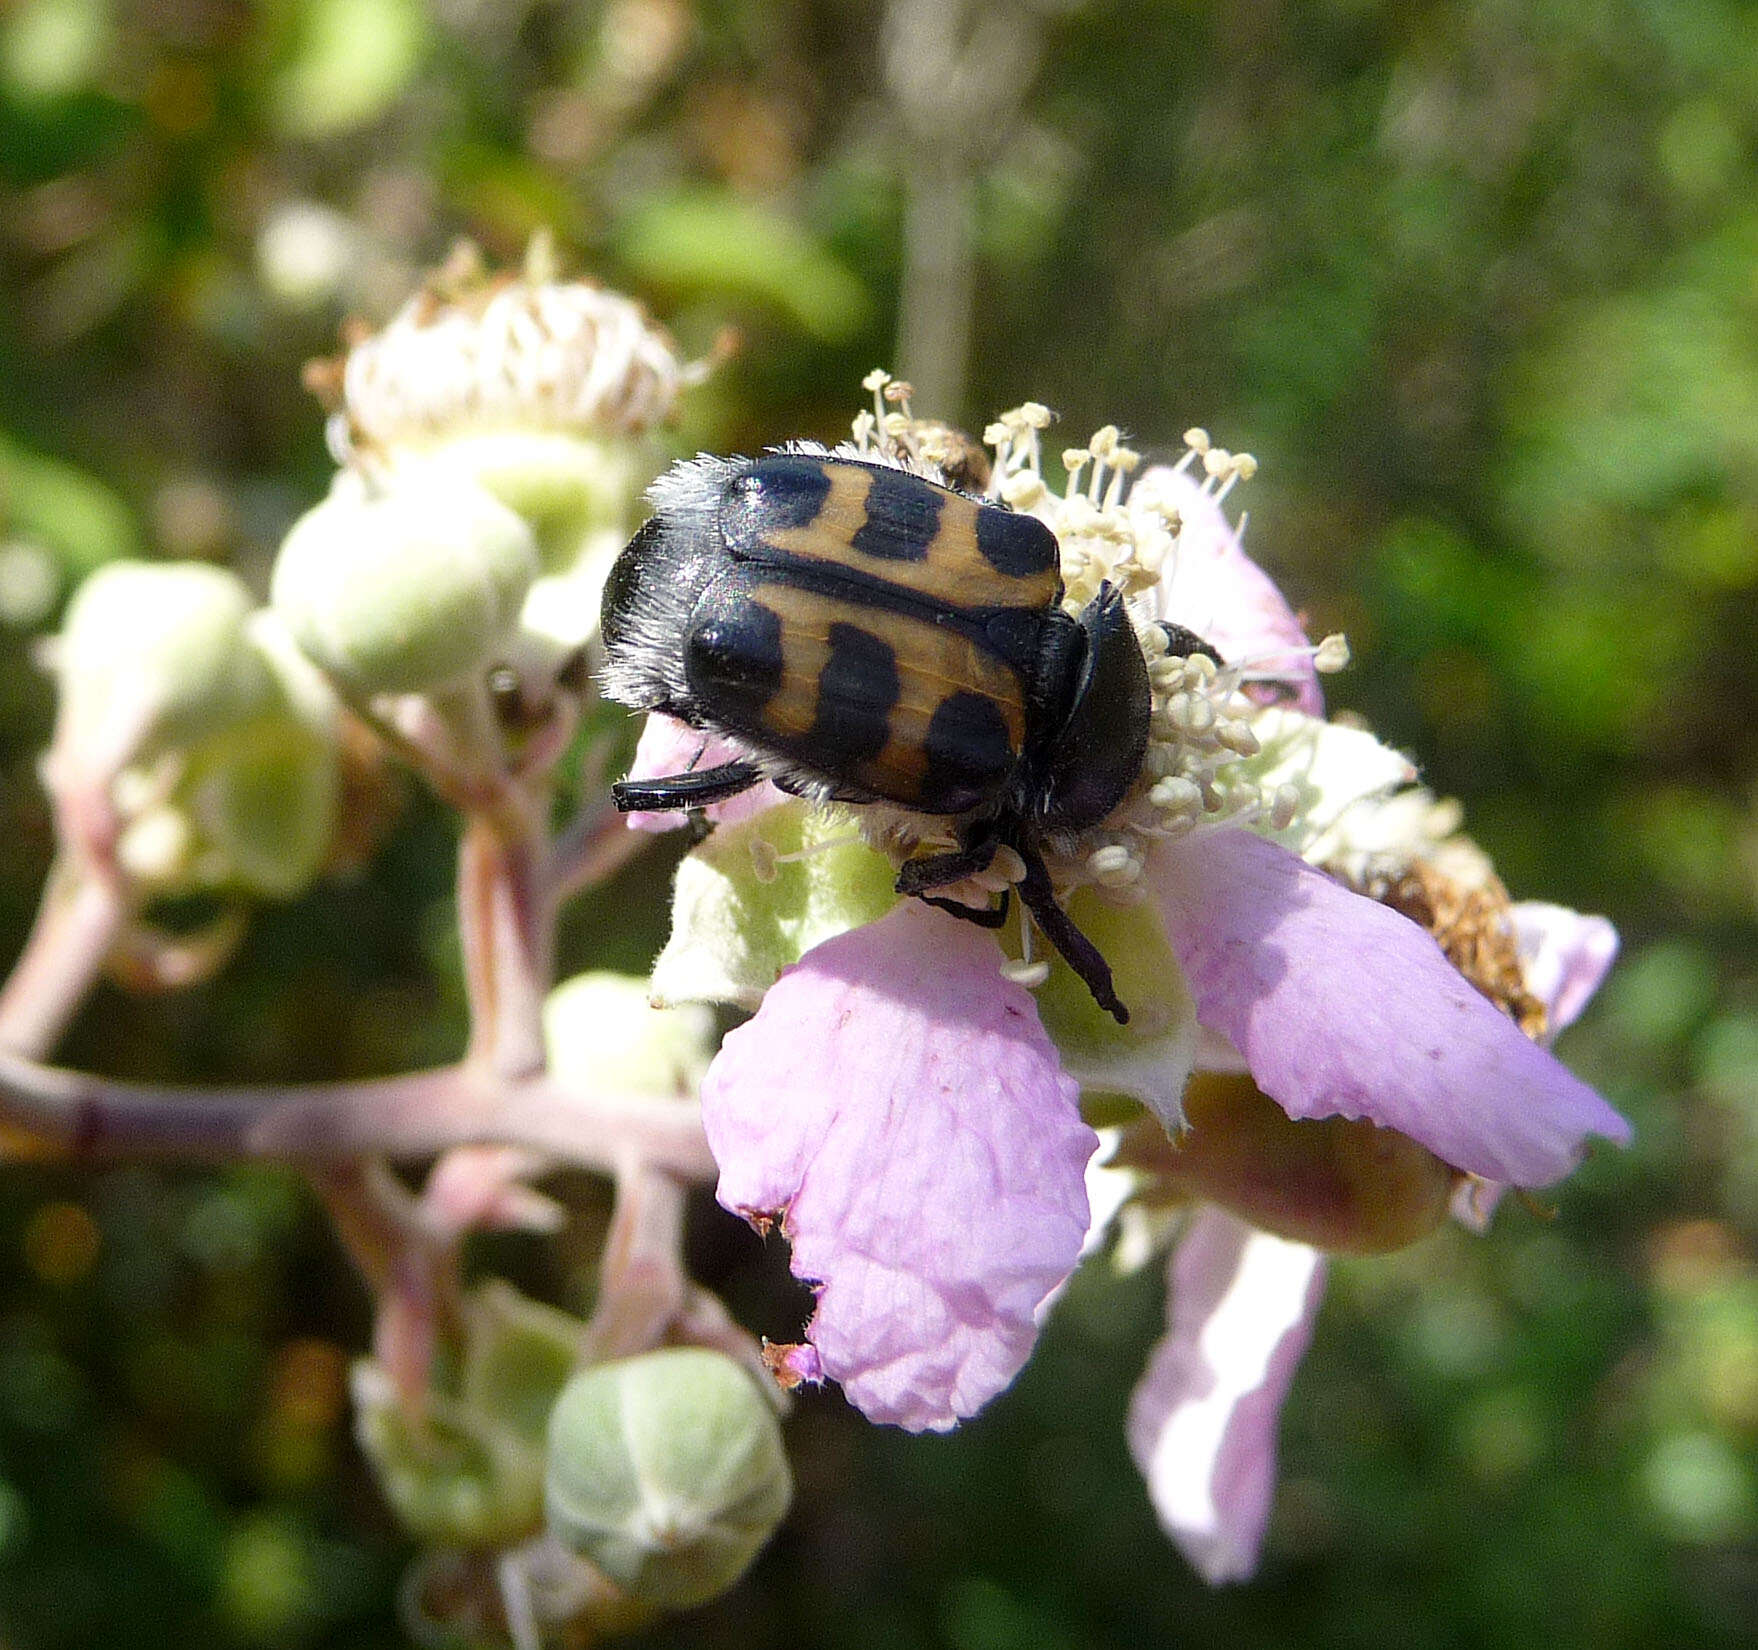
x=869 y=636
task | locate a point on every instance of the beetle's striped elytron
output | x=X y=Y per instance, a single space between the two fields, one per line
x=868 y=636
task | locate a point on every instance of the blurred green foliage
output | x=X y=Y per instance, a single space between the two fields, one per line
x=1475 y=279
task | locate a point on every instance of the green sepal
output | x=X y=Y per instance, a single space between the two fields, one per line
x=732 y=932
x=452 y=1474
x=1149 y=1059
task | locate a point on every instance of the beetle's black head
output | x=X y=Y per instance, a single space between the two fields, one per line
x=655 y=585
x=1094 y=751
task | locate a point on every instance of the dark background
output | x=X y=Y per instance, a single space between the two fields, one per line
x=1478 y=283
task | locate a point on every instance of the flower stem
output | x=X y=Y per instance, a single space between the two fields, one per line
x=415 y=1115
x=506 y=922
x=593 y=846
x=642 y=1285
x=82 y=912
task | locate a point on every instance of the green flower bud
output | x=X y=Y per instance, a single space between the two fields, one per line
x=407 y=589
x=600 y=1027
x=667 y=1472
x=261 y=801
x=152 y=656
x=453 y=1474
x=212 y=740
x=518 y=1355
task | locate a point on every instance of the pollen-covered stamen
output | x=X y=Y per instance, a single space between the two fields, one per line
x=926 y=446
x=1200 y=728
x=1328 y=657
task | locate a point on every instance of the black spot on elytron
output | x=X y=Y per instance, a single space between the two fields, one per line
x=903 y=515
x=857 y=689
x=1015 y=544
x=773 y=495
x=969 y=752
x=733 y=659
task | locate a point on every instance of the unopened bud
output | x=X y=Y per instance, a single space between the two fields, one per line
x=453 y=1476
x=601 y=1028
x=154 y=655
x=405 y=590
x=667 y=1472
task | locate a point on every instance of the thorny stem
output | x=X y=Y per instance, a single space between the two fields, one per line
x=83 y=910
x=412 y=1116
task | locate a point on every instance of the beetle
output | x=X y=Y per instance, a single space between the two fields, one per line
x=869 y=636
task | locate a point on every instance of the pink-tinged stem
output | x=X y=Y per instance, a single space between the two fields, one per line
x=641 y=1276
x=506 y=926
x=416 y=1115
x=593 y=847
x=82 y=912
x=411 y=1270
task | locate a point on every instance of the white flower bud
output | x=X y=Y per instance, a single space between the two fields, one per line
x=601 y=1027
x=406 y=590
x=667 y=1472
x=151 y=656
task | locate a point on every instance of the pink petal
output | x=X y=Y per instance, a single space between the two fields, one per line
x=898 y=1107
x=668 y=746
x=1212 y=587
x=1565 y=957
x=1343 y=1008
x=1202 y=1420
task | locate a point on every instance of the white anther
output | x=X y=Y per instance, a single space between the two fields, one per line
x=1008 y=865
x=1332 y=654
x=1236 y=737
x=1284 y=805
x=1113 y=865
x=1029 y=974
x=1197 y=440
x=1177 y=795
x=1024 y=490
x=764 y=860
x=1191 y=713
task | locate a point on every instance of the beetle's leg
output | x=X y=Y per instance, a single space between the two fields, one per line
x=1038 y=894
x=684 y=790
x=917 y=876
x=984 y=916
x=936 y=870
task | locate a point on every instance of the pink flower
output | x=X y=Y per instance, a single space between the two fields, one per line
x=1240 y=1310
x=667 y=747
x=897 y=1108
